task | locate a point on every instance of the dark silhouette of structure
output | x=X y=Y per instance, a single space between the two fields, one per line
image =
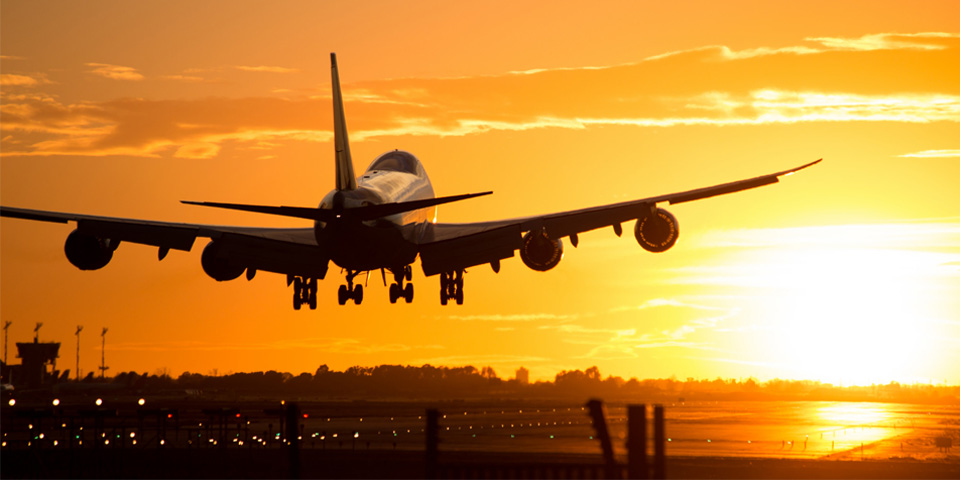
x=35 y=358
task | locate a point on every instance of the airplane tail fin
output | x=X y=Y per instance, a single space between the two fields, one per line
x=346 y=179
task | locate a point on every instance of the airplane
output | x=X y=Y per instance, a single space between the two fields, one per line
x=382 y=220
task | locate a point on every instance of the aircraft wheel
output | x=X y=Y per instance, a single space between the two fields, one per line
x=394 y=292
x=408 y=293
x=358 y=294
x=312 y=294
x=343 y=295
x=443 y=297
x=296 y=300
x=460 y=296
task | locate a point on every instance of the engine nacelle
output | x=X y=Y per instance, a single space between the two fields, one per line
x=658 y=232
x=89 y=252
x=217 y=266
x=540 y=252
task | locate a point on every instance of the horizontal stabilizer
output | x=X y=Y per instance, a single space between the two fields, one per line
x=370 y=212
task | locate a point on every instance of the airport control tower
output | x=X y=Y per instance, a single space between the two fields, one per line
x=36 y=357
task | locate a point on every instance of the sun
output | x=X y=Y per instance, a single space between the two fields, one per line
x=845 y=305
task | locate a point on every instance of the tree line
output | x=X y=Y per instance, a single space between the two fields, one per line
x=427 y=381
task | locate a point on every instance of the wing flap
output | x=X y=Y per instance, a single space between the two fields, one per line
x=456 y=247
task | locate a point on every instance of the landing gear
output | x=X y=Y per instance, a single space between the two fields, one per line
x=397 y=289
x=451 y=287
x=350 y=291
x=304 y=292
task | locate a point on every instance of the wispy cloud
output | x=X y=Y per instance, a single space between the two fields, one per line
x=267 y=69
x=479 y=361
x=14 y=80
x=645 y=326
x=520 y=317
x=746 y=88
x=948 y=153
x=333 y=345
x=115 y=72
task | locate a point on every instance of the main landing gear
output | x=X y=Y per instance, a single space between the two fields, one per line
x=350 y=291
x=451 y=287
x=304 y=292
x=397 y=290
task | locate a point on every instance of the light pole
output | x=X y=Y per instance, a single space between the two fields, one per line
x=79 y=329
x=103 y=352
x=6 y=340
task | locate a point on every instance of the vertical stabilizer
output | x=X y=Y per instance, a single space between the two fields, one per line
x=346 y=180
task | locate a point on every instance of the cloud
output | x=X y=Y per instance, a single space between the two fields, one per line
x=761 y=86
x=479 y=361
x=268 y=69
x=948 y=153
x=645 y=326
x=888 y=41
x=16 y=80
x=115 y=72
x=521 y=317
x=332 y=345
x=185 y=78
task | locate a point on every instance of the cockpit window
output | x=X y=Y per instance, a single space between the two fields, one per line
x=398 y=161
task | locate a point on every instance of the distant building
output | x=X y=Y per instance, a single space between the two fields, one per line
x=523 y=376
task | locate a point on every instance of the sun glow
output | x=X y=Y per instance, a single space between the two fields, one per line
x=844 y=304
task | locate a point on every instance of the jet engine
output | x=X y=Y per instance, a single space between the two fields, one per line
x=216 y=265
x=657 y=232
x=89 y=252
x=540 y=252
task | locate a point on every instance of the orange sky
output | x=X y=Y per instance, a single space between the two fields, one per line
x=847 y=272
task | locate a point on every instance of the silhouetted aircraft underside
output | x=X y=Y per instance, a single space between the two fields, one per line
x=382 y=220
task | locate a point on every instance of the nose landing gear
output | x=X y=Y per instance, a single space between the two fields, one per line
x=350 y=291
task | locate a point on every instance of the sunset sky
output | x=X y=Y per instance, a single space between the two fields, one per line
x=848 y=272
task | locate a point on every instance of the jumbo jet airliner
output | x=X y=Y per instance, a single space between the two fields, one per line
x=382 y=220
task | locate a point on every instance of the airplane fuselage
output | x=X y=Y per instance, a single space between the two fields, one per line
x=394 y=177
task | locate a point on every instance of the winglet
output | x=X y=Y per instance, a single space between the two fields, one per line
x=346 y=179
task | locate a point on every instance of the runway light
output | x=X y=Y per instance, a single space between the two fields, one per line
x=133 y=434
x=162 y=441
x=55 y=402
x=99 y=402
x=12 y=402
x=41 y=436
x=141 y=402
x=30 y=426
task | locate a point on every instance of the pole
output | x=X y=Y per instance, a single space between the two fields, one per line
x=103 y=353
x=637 y=441
x=6 y=340
x=433 y=439
x=659 y=446
x=79 y=329
x=600 y=426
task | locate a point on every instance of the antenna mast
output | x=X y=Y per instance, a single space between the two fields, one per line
x=36 y=332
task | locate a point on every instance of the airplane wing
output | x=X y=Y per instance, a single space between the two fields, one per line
x=449 y=247
x=290 y=251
